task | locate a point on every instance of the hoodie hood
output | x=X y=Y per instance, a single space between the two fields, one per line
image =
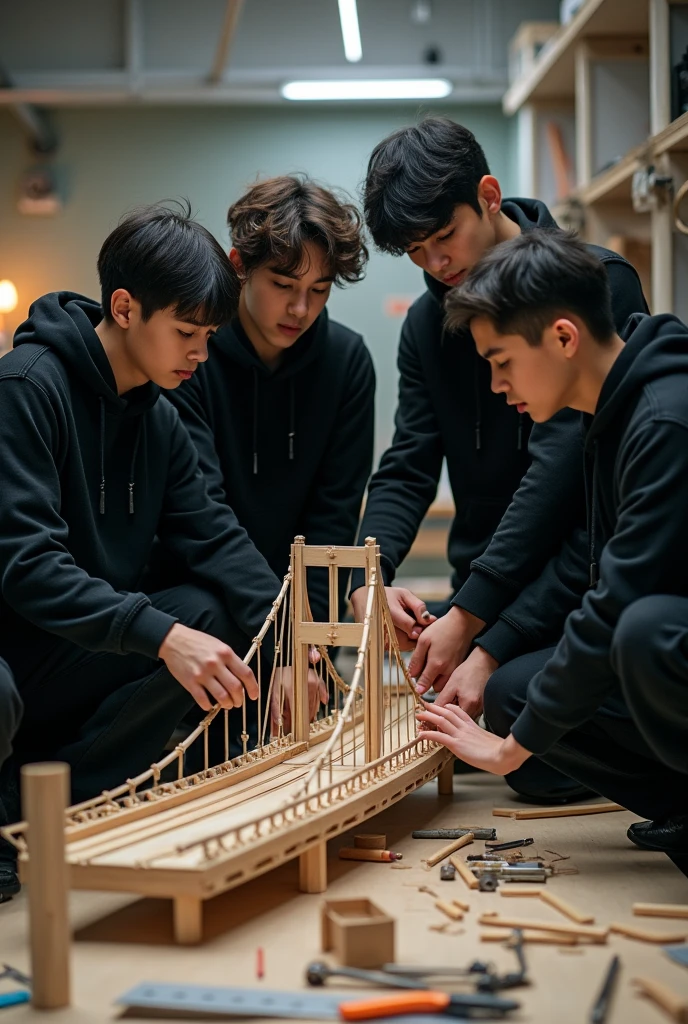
x=655 y=347
x=65 y=323
x=233 y=342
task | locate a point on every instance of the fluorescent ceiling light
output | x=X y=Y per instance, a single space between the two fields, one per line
x=376 y=89
x=351 y=34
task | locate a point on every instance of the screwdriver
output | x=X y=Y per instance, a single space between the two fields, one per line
x=423 y=1001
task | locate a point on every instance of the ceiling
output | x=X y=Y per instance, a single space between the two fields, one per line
x=79 y=52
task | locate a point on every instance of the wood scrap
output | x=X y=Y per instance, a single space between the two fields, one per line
x=446 y=851
x=675 y=1005
x=529 y=935
x=455 y=913
x=644 y=936
x=570 y=810
x=520 y=890
x=465 y=872
x=462 y=905
x=661 y=909
x=582 y=931
x=565 y=908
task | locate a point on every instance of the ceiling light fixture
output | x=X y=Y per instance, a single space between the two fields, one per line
x=351 y=33
x=374 y=89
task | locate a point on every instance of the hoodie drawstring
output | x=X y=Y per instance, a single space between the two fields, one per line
x=478 y=405
x=101 y=502
x=255 y=421
x=132 y=471
x=292 y=419
x=593 y=521
x=519 y=443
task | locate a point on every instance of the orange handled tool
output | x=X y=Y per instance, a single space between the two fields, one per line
x=424 y=1001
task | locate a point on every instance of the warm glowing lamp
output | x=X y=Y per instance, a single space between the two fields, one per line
x=8 y=303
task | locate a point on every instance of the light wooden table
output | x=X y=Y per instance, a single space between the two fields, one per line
x=120 y=941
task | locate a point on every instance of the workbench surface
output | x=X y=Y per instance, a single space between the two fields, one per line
x=121 y=941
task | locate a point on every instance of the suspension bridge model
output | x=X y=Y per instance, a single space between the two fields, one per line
x=296 y=782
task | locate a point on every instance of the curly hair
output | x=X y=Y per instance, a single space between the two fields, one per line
x=275 y=218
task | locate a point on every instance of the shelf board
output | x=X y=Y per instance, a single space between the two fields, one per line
x=553 y=74
x=614 y=184
x=673 y=139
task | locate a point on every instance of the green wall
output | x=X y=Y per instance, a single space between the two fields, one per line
x=113 y=159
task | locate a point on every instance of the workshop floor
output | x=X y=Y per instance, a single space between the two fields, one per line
x=120 y=941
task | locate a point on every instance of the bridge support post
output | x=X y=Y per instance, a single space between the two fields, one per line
x=374 y=704
x=445 y=779
x=313 y=869
x=300 y=718
x=188 y=920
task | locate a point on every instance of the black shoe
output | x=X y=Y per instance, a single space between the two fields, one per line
x=564 y=796
x=667 y=835
x=9 y=882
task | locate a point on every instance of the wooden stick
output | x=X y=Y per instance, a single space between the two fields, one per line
x=450 y=910
x=565 y=908
x=530 y=935
x=676 y=1006
x=353 y=853
x=581 y=930
x=644 y=936
x=555 y=812
x=446 y=851
x=465 y=872
x=520 y=890
x=660 y=909
x=45 y=792
x=462 y=905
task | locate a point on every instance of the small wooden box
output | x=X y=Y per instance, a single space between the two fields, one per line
x=359 y=933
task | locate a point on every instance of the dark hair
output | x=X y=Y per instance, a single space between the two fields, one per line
x=165 y=259
x=524 y=284
x=416 y=177
x=274 y=219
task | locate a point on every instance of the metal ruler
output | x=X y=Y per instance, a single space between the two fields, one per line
x=248 y=1002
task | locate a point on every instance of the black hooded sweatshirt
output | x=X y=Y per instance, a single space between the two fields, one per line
x=637 y=484
x=290 y=451
x=89 y=477
x=447 y=409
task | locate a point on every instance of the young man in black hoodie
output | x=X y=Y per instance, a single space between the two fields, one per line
x=282 y=414
x=94 y=466
x=429 y=193
x=609 y=704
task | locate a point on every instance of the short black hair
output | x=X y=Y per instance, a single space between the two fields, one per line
x=274 y=219
x=165 y=259
x=416 y=176
x=523 y=285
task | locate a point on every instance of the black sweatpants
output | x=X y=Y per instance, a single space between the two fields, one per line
x=108 y=716
x=634 y=749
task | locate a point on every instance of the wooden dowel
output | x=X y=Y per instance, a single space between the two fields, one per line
x=45 y=796
x=675 y=1005
x=644 y=936
x=571 y=810
x=446 y=851
x=450 y=910
x=462 y=905
x=565 y=908
x=530 y=935
x=520 y=890
x=661 y=909
x=581 y=930
x=465 y=872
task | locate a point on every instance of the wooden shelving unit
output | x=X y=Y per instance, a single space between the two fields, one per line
x=606 y=79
